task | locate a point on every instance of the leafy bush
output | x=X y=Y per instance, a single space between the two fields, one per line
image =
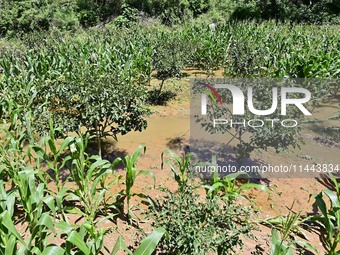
x=168 y=58
x=198 y=227
x=127 y=18
x=105 y=105
x=25 y=16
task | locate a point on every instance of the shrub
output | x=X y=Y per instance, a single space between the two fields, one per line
x=195 y=226
x=26 y=16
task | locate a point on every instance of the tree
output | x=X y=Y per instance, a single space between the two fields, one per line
x=105 y=104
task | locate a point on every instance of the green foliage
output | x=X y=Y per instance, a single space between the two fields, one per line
x=279 y=53
x=289 y=228
x=198 y=227
x=147 y=246
x=330 y=217
x=54 y=83
x=90 y=175
x=228 y=187
x=26 y=16
x=26 y=195
x=98 y=81
x=168 y=56
x=180 y=167
x=131 y=175
x=127 y=18
x=281 y=247
x=70 y=83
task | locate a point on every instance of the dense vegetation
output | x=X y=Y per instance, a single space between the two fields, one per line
x=25 y=16
x=59 y=76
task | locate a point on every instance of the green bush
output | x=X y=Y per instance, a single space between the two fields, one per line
x=127 y=18
x=27 y=16
x=195 y=226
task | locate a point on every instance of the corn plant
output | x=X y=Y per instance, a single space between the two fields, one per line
x=180 y=167
x=36 y=203
x=90 y=175
x=56 y=164
x=330 y=218
x=8 y=235
x=130 y=163
x=284 y=231
x=282 y=244
x=228 y=187
x=16 y=136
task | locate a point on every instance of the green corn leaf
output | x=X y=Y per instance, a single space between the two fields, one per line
x=306 y=245
x=52 y=146
x=64 y=227
x=149 y=244
x=137 y=153
x=68 y=140
x=11 y=246
x=45 y=220
x=53 y=250
x=116 y=162
x=333 y=197
x=8 y=223
x=49 y=201
x=100 y=163
x=77 y=240
x=215 y=187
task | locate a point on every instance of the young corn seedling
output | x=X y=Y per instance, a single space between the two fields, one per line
x=130 y=163
x=55 y=161
x=181 y=169
x=228 y=187
x=284 y=245
x=330 y=218
x=90 y=175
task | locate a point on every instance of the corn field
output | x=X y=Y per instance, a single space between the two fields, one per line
x=95 y=84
